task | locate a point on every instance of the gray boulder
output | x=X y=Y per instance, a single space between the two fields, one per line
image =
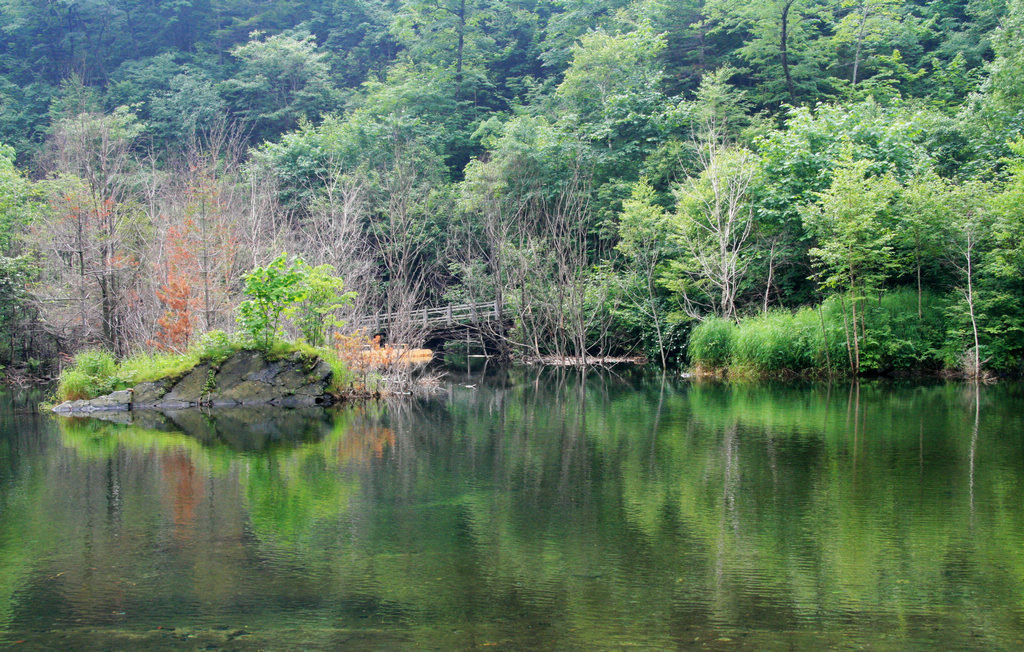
x=247 y=378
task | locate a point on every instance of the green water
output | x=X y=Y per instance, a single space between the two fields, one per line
x=535 y=510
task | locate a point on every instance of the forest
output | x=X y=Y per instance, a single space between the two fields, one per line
x=776 y=187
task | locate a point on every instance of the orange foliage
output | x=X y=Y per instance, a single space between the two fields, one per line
x=363 y=354
x=177 y=323
x=364 y=441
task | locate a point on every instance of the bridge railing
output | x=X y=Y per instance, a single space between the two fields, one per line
x=450 y=315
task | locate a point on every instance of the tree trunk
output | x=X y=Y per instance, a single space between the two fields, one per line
x=784 y=49
x=970 y=306
x=856 y=337
x=860 y=43
x=771 y=273
x=205 y=270
x=651 y=301
x=459 y=49
x=824 y=339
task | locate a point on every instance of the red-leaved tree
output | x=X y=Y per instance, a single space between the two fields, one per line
x=176 y=294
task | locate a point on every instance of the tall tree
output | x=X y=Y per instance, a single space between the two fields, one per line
x=785 y=45
x=864 y=25
x=97 y=227
x=281 y=79
x=457 y=35
x=854 y=233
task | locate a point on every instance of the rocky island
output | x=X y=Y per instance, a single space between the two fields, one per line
x=245 y=378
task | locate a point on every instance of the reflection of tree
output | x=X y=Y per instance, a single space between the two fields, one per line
x=185 y=488
x=542 y=513
x=363 y=441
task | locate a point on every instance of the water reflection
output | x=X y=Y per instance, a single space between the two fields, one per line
x=538 y=509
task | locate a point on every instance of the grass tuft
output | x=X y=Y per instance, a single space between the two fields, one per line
x=711 y=343
x=92 y=374
x=814 y=340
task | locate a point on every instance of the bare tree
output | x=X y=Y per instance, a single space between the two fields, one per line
x=95 y=232
x=405 y=237
x=334 y=232
x=548 y=277
x=968 y=234
x=488 y=215
x=208 y=204
x=566 y=221
x=714 y=225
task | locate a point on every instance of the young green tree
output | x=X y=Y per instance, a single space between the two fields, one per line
x=924 y=211
x=274 y=291
x=854 y=234
x=325 y=296
x=968 y=234
x=642 y=239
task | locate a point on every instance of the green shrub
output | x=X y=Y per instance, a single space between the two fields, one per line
x=711 y=343
x=92 y=374
x=216 y=346
x=74 y=385
x=274 y=291
x=896 y=339
x=892 y=339
x=776 y=342
x=96 y=363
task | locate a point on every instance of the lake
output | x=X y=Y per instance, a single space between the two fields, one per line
x=526 y=509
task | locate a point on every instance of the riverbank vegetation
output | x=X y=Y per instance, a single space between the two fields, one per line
x=95 y=372
x=817 y=341
x=830 y=187
x=286 y=289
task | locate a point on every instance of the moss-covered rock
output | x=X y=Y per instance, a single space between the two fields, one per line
x=246 y=378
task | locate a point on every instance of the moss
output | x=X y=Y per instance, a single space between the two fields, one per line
x=96 y=373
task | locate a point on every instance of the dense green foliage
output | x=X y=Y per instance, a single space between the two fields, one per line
x=613 y=172
x=816 y=340
x=285 y=289
x=281 y=288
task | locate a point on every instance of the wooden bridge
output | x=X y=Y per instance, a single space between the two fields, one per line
x=436 y=323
